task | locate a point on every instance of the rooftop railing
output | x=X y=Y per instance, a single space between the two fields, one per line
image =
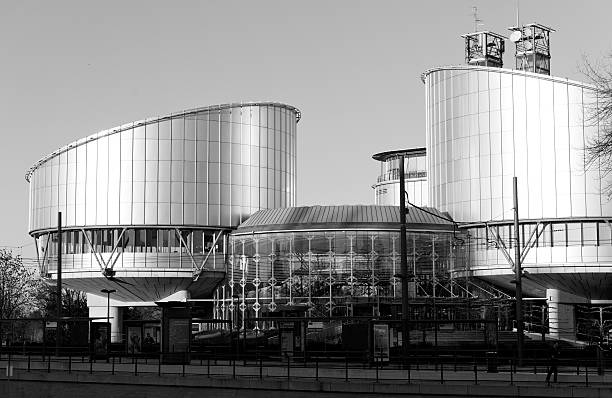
x=394 y=175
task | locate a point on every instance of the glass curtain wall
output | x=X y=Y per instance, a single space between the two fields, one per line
x=332 y=273
x=132 y=248
x=414 y=167
x=386 y=189
x=549 y=242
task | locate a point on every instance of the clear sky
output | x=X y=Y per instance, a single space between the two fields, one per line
x=72 y=68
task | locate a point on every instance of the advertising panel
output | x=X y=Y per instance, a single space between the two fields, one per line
x=381 y=342
x=99 y=338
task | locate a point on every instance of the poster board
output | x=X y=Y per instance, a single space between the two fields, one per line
x=175 y=332
x=179 y=333
x=290 y=338
x=150 y=337
x=134 y=340
x=99 y=338
x=287 y=342
x=381 y=342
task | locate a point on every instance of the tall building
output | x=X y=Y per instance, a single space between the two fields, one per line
x=147 y=206
x=202 y=205
x=485 y=125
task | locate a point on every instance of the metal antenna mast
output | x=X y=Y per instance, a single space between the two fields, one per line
x=477 y=21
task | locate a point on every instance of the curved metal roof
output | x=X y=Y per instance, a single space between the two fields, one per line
x=507 y=71
x=146 y=121
x=344 y=217
x=387 y=155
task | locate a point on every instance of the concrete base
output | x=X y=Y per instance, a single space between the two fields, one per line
x=561 y=320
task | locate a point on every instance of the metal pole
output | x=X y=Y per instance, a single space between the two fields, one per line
x=108 y=325
x=433 y=275
x=518 y=274
x=108 y=306
x=58 y=333
x=108 y=322
x=404 y=260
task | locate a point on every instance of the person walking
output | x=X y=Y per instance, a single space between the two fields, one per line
x=553 y=359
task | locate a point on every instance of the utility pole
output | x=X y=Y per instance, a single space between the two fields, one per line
x=404 y=259
x=518 y=274
x=58 y=333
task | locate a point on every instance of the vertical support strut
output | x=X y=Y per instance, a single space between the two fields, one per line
x=434 y=292
x=404 y=259
x=291 y=269
x=518 y=272
x=58 y=334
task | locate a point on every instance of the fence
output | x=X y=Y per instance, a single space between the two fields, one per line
x=462 y=367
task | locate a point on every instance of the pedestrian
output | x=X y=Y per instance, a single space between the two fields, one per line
x=553 y=358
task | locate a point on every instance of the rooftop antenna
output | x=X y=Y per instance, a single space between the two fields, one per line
x=477 y=21
x=483 y=48
x=518 y=12
x=532 y=42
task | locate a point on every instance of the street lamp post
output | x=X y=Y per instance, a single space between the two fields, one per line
x=518 y=274
x=58 y=333
x=108 y=293
x=403 y=261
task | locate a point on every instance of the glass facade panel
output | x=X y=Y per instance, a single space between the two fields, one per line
x=362 y=267
x=574 y=234
x=589 y=234
x=178 y=128
x=152 y=149
x=202 y=127
x=165 y=148
x=605 y=234
x=140 y=240
x=559 y=231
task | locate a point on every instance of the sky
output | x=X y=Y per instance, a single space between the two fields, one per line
x=72 y=68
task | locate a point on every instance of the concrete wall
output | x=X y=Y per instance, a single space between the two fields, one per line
x=94 y=386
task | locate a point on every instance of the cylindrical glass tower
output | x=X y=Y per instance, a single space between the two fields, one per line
x=486 y=125
x=154 y=198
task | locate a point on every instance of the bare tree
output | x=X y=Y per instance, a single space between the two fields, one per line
x=74 y=302
x=599 y=113
x=18 y=286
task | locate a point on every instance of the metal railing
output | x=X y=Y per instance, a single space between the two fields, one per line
x=394 y=175
x=472 y=367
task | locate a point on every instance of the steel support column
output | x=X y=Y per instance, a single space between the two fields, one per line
x=518 y=272
x=404 y=259
x=58 y=333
